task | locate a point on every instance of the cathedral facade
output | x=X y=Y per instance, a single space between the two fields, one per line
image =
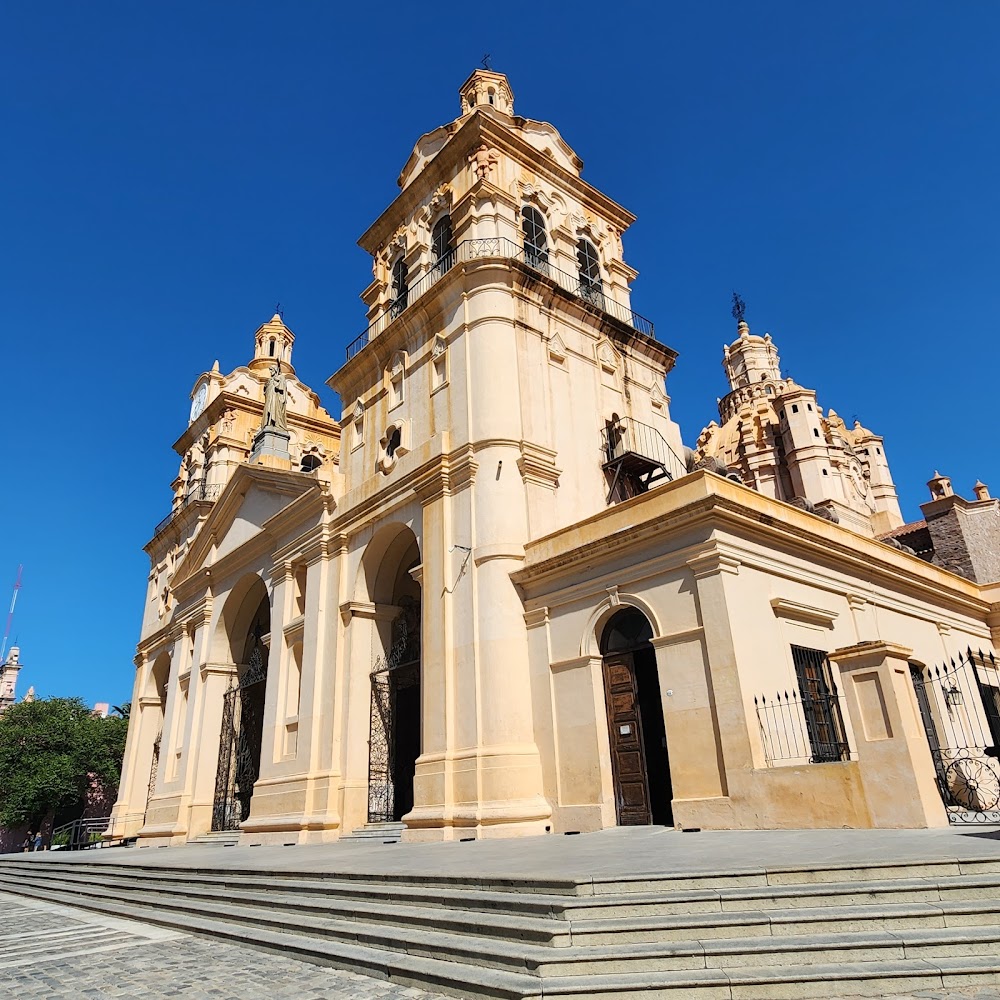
x=495 y=595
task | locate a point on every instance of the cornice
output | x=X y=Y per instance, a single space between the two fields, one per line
x=707 y=501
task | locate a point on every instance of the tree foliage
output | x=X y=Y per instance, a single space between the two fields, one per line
x=54 y=753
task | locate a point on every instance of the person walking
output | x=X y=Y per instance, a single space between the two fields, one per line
x=28 y=841
x=38 y=841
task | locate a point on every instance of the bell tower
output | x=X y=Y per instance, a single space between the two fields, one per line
x=500 y=344
x=8 y=678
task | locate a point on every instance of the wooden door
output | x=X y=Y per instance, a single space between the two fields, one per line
x=628 y=759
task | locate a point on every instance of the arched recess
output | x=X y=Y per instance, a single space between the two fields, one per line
x=636 y=731
x=590 y=645
x=385 y=580
x=244 y=625
x=156 y=688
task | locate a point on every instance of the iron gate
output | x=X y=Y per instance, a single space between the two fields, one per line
x=960 y=709
x=239 y=744
x=398 y=669
x=154 y=767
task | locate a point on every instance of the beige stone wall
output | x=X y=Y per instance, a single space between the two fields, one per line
x=729 y=581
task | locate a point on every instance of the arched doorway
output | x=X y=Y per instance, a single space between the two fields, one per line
x=638 y=738
x=243 y=715
x=394 y=727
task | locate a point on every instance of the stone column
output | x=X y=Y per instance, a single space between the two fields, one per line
x=897 y=772
x=129 y=809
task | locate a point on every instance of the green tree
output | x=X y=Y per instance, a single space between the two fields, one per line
x=54 y=755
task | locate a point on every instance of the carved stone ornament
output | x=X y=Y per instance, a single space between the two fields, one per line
x=440 y=346
x=483 y=161
x=440 y=200
x=359 y=411
x=398 y=242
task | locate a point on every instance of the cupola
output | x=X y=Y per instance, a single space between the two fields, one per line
x=487 y=89
x=273 y=343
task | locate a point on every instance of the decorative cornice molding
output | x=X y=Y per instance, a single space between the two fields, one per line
x=697 y=632
x=783 y=608
x=536 y=617
x=712 y=563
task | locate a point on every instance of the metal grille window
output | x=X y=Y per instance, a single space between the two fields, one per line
x=820 y=706
x=399 y=288
x=591 y=287
x=536 y=244
x=441 y=243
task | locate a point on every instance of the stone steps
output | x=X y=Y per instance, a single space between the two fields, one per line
x=219 y=838
x=387 y=833
x=738 y=934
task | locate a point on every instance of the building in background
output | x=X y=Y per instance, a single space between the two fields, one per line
x=8 y=678
x=492 y=599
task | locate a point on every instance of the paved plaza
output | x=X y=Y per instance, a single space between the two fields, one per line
x=619 y=852
x=49 y=951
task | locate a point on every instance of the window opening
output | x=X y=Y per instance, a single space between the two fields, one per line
x=309 y=463
x=820 y=706
x=271 y=348
x=395 y=439
x=591 y=287
x=400 y=289
x=441 y=244
x=536 y=244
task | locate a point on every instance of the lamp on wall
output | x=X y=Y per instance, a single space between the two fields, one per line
x=953 y=695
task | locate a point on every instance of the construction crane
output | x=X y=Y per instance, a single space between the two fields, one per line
x=10 y=615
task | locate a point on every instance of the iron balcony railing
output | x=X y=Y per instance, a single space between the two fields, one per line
x=500 y=248
x=200 y=492
x=624 y=438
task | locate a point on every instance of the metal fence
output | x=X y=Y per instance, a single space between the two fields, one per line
x=797 y=729
x=201 y=491
x=499 y=247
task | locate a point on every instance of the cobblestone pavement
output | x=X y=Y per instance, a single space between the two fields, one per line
x=52 y=952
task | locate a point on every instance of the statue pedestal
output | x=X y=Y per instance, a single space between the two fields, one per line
x=270 y=447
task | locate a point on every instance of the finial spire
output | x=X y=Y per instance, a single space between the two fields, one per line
x=739 y=308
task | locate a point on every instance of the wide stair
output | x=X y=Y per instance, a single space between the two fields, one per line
x=842 y=931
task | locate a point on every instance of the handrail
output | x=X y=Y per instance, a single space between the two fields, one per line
x=632 y=437
x=79 y=832
x=499 y=247
x=202 y=492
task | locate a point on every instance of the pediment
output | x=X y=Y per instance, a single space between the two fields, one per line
x=252 y=497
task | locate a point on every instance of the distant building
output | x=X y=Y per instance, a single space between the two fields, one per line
x=8 y=678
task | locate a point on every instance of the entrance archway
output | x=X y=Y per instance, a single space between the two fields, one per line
x=637 y=734
x=242 y=731
x=394 y=728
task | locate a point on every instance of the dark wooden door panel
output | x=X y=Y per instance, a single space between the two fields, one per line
x=628 y=763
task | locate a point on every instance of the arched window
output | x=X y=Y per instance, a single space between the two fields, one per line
x=395 y=439
x=399 y=288
x=310 y=462
x=270 y=349
x=591 y=288
x=536 y=244
x=629 y=629
x=441 y=244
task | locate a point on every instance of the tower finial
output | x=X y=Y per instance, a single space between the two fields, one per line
x=486 y=61
x=739 y=308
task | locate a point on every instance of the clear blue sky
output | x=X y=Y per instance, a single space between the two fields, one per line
x=170 y=171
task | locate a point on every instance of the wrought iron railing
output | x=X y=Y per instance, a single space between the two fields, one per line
x=200 y=492
x=802 y=729
x=499 y=247
x=632 y=437
x=960 y=710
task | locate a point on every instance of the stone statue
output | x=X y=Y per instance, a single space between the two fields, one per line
x=483 y=160
x=275 y=398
